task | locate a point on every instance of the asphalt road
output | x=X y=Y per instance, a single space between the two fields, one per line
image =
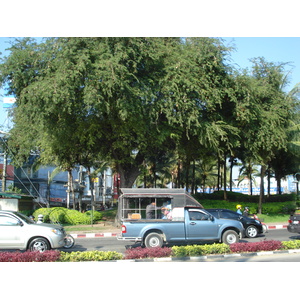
x=112 y=244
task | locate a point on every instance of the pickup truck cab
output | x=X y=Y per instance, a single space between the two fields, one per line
x=190 y=222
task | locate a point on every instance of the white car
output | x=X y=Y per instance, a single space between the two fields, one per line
x=17 y=231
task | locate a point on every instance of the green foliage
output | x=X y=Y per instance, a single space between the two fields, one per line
x=89 y=256
x=291 y=244
x=97 y=216
x=276 y=204
x=74 y=217
x=66 y=216
x=200 y=250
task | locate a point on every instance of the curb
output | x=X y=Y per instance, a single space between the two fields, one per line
x=277 y=226
x=203 y=258
x=114 y=234
x=93 y=235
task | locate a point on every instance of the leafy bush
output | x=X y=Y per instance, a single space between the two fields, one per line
x=97 y=216
x=74 y=217
x=66 y=216
x=42 y=211
x=57 y=214
x=290 y=245
x=199 y=250
x=90 y=256
x=30 y=256
x=255 y=247
x=139 y=252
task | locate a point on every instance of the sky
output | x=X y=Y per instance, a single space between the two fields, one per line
x=273 y=49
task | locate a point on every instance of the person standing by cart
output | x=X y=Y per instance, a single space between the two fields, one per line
x=150 y=209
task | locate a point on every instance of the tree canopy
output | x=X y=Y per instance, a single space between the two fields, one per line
x=129 y=100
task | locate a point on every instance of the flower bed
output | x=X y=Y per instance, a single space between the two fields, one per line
x=28 y=256
x=145 y=253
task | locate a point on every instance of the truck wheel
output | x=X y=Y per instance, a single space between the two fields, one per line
x=251 y=232
x=230 y=237
x=153 y=240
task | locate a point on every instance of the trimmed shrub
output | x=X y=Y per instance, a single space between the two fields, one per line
x=255 y=247
x=140 y=253
x=74 y=217
x=200 y=250
x=66 y=216
x=90 y=256
x=30 y=256
x=97 y=216
x=290 y=245
x=42 y=211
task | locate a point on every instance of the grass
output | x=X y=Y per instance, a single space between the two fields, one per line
x=274 y=218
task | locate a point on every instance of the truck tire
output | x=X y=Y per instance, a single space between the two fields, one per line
x=153 y=240
x=230 y=237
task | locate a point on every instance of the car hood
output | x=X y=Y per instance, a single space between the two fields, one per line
x=47 y=225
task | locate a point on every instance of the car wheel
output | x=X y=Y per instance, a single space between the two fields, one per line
x=251 y=232
x=265 y=228
x=153 y=240
x=230 y=237
x=39 y=244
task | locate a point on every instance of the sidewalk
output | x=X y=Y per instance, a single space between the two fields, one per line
x=112 y=231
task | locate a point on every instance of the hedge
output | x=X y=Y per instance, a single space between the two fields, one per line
x=90 y=256
x=67 y=216
x=30 y=256
x=144 y=253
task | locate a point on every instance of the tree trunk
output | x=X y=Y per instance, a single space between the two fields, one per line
x=225 y=179
x=71 y=186
x=219 y=174
x=187 y=172
x=231 y=171
x=269 y=182
x=128 y=175
x=262 y=188
x=193 y=177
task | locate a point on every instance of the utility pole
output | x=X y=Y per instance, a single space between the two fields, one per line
x=3 y=134
x=4 y=171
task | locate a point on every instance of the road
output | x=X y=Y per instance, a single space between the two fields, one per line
x=112 y=244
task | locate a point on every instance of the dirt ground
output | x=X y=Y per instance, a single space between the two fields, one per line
x=101 y=227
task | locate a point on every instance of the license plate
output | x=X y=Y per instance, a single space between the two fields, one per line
x=296 y=222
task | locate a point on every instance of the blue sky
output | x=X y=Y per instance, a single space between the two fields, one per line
x=273 y=49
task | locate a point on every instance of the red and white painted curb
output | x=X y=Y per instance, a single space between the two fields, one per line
x=277 y=226
x=93 y=235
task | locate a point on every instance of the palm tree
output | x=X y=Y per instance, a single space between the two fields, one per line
x=246 y=172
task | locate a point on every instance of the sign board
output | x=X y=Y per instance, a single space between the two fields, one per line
x=8 y=102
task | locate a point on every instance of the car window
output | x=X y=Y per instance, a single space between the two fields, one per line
x=197 y=215
x=8 y=221
x=228 y=215
x=24 y=218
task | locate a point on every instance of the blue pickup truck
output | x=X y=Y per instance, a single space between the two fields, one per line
x=186 y=222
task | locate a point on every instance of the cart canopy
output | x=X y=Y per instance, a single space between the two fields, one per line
x=178 y=197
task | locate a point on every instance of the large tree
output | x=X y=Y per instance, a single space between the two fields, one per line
x=117 y=98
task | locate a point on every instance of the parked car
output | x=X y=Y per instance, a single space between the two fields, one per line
x=252 y=227
x=17 y=231
x=294 y=223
